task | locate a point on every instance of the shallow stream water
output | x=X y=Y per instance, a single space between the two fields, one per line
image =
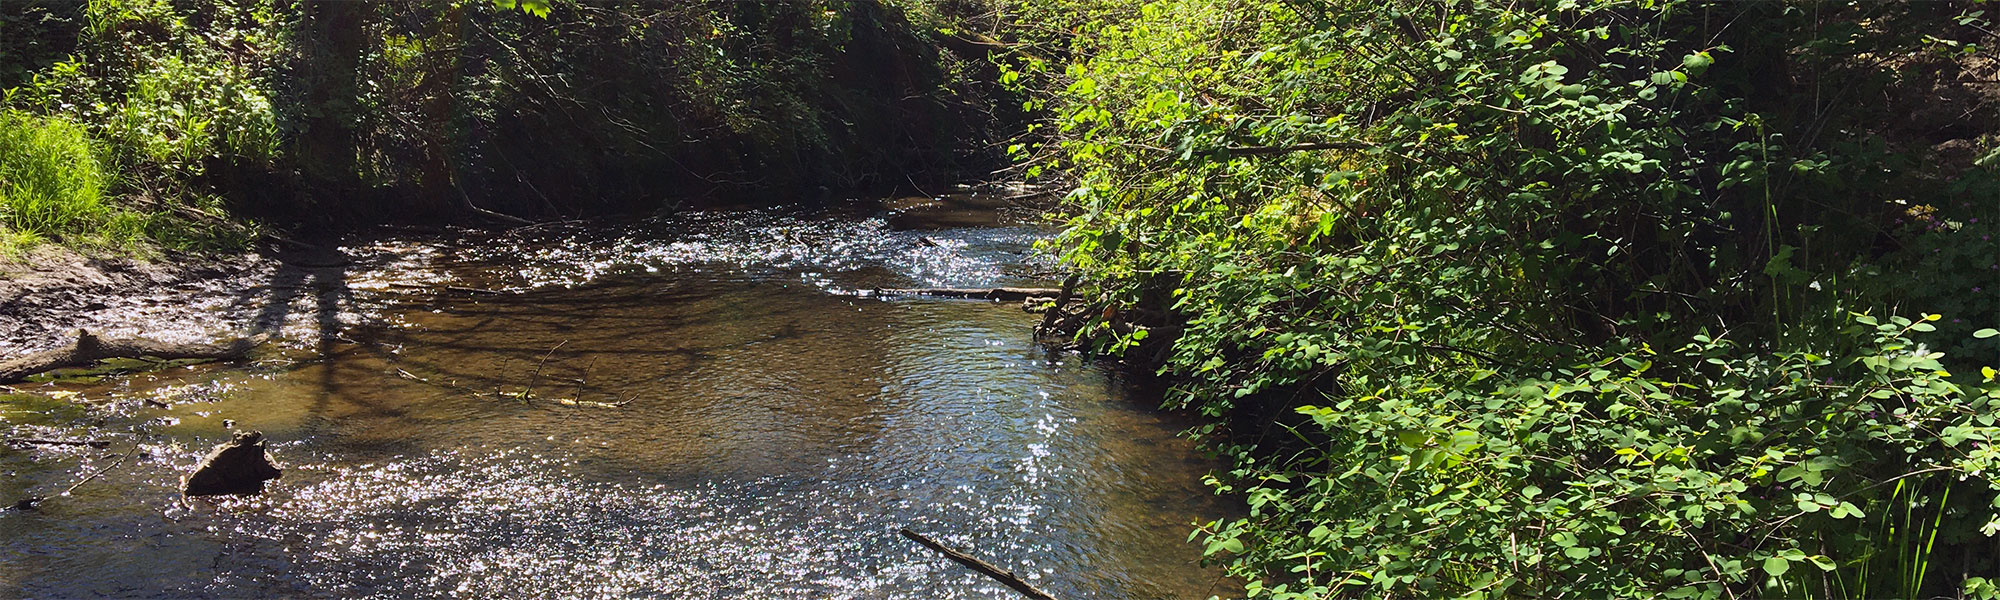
x=703 y=405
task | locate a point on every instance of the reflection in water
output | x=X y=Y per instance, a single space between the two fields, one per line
x=703 y=417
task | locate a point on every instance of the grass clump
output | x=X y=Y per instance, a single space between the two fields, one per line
x=57 y=186
x=52 y=187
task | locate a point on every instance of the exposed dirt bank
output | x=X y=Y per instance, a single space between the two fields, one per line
x=54 y=291
x=48 y=295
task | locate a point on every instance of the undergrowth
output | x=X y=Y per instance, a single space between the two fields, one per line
x=1554 y=298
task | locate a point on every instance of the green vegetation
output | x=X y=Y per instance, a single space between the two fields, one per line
x=50 y=182
x=1559 y=298
x=1487 y=299
x=119 y=132
x=338 y=115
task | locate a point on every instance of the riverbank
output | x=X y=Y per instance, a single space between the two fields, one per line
x=52 y=291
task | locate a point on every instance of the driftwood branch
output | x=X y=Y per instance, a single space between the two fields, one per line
x=465 y=202
x=114 y=465
x=33 y=502
x=997 y=573
x=88 y=349
x=1008 y=294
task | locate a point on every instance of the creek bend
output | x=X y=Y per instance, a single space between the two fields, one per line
x=700 y=405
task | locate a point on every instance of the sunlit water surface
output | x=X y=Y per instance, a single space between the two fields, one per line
x=709 y=405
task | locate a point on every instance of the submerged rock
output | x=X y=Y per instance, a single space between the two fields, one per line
x=237 y=467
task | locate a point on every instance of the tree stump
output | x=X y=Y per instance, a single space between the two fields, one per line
x=237 y=467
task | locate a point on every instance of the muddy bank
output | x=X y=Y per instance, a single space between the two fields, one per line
x=294 y=296
x=52 y=292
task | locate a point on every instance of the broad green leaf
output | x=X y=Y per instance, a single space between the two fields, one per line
x=1697 y=61
x=1777 y=566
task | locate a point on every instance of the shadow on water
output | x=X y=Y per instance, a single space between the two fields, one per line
x=691 y=427
x=319 y=279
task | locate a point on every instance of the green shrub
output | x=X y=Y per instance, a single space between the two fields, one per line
x=164 y=93
x=179 y=113
x=156 y=94
x=1547 y=298
x=1785 y=475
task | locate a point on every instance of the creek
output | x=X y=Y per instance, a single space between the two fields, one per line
x=706 y=404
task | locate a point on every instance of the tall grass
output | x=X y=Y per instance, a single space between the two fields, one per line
x=52 y=186
x=1900 y=554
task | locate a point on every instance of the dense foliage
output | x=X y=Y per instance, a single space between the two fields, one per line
x=1552 y=298
x=354 y=113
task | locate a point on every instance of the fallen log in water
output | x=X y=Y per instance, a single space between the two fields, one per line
x=46 y=442
x=1009 y=294
x=997 y=573
x=88 y=349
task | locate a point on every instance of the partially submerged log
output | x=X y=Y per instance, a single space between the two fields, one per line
x=236 y=467
x=48 y=442
x=987 y=569
x=87 y=349
x=1007 y=294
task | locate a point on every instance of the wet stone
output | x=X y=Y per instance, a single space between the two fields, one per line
x=237 y=467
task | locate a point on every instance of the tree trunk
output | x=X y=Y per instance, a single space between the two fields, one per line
x=335 y=38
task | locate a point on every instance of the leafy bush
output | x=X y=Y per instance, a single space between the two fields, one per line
x=1787 y=475
x=178 y=114
x=165 y=93
x=161 y=94
x=1547 y=298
